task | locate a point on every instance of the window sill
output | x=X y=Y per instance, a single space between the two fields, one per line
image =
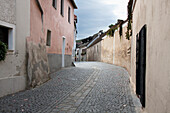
x=10 y=52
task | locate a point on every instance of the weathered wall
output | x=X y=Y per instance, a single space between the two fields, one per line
x=13 y=69
x=37 y=64
x=122 y=46
x=107 y=50
x=38 y=68
x=94 y=52
x=8 y=11
x=155 y=14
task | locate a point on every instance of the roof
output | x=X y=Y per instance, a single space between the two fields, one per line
x=96 y=40
x=99 y=38
x=91 y=40
x=74 y=4
x=82 y=45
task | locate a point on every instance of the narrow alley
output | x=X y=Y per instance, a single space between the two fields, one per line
x=88 y=87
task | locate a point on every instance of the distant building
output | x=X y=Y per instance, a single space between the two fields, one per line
x=83 y=44
x=75 y=37
x=111 y=49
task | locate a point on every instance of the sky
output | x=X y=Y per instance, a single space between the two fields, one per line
x=96 y=15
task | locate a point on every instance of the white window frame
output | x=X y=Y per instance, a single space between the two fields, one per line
x=11 y=34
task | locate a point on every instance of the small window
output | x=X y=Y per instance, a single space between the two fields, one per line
x=55 y=4
x=48 y=43
x=69 y=11
x=62 y=7
x=42 y=16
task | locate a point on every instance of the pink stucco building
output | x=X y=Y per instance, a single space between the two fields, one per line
x=52 y=23
x=40 y=36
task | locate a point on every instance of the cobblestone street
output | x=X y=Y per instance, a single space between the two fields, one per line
x=88 y=87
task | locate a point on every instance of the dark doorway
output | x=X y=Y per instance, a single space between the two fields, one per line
x=141 y=64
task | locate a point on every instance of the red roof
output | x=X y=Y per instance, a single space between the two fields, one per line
x=75 y=17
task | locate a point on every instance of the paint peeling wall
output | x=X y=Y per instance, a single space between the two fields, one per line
x=38 y=68
x=155 y=14
x=37 y=60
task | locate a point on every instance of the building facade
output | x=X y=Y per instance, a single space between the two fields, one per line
x=14 y=29
x=40 y=38
x=150 y=54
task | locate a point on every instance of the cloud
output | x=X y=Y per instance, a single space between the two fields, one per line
x=95 y=15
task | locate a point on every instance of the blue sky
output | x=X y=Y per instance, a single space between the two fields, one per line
x=96 y=15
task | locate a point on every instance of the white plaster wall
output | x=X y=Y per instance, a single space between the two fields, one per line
x=155 y=14
x=13 y=69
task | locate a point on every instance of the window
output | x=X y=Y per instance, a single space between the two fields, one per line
x=7 y=35
x=69 y=11
x=4 y=35
x=62 y=7
x=42 y=15
x=48 y=43
x=55 y=4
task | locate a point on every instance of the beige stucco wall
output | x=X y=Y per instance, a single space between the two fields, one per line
x=16 y=13
x=94 y=52
x=112 y=50
x=107 y=50
x=122 y=55
x=155 y=14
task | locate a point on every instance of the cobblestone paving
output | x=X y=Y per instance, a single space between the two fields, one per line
x=111 y=93
x=42 y=98
x=74 y=100
x=90 y=87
